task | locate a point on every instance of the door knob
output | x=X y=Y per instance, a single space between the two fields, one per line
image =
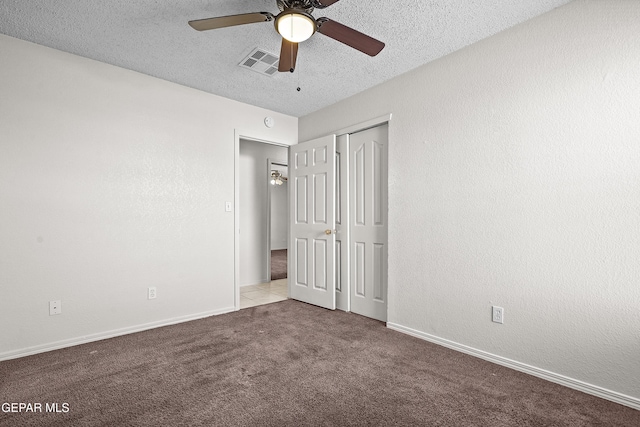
x=328 y=232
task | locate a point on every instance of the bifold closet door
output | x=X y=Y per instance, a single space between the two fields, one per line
x=342 y=223
x=368 y=151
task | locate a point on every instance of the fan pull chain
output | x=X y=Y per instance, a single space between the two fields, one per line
x=298 y=79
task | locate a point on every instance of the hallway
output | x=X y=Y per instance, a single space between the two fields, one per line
x=263 y=293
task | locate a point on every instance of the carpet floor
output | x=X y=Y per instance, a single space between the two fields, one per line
x=278 y=264
x=286 y=364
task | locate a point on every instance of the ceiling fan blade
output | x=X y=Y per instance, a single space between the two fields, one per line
x=349 y=36
x=230 y=21
x=288 y=56
x=321 y=4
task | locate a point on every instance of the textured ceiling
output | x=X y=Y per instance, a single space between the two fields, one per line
x=152 y=37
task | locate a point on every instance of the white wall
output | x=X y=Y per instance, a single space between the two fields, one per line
x=254 y=188
x=514 y=180
x=110 y=182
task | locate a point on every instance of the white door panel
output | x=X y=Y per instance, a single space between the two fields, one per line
x=312 y=198
x=342 y=223
x=368 y=222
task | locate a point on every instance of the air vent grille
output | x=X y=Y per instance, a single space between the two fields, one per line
x=269 y=59
x=261 y=62
x=249 y=62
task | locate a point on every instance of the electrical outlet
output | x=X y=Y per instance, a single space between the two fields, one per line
x=151 y=293
x=497 y=314
x=55 y=307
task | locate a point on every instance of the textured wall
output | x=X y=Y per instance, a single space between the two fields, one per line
x=514 y=180
x=110 y=182
x=254 y=185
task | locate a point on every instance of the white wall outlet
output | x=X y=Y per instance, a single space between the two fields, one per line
x=151 y=294
x=55 y=307
x=497 y=314
x=228 y=206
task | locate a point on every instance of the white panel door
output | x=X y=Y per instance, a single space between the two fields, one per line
x=342 y=222
x=368 y=221
x=312 y=170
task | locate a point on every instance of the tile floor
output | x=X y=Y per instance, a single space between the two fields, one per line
x=263 y=293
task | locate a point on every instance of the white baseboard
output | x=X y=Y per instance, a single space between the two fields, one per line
x=594 y=390
x=108 y=334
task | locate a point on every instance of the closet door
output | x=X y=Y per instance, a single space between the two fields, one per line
x=312 y=170
x=342 y=223
x=368 y=222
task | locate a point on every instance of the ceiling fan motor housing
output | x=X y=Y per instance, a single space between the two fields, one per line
x=299 y=5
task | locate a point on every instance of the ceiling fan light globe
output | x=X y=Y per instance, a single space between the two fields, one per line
x=295 y=26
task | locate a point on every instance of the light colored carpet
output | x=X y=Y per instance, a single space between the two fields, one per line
x=287 y=364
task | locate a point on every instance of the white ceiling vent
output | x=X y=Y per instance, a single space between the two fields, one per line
x=261 y=61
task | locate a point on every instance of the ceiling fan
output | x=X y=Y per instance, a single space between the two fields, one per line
x=295 y=24
x=277 y=178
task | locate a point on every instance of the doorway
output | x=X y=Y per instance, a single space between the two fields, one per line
x=278 y=219
x=254 y=215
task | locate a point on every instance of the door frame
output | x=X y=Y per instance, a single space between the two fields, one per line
x=247 y=136
x=270 y=163
x=358 y=127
